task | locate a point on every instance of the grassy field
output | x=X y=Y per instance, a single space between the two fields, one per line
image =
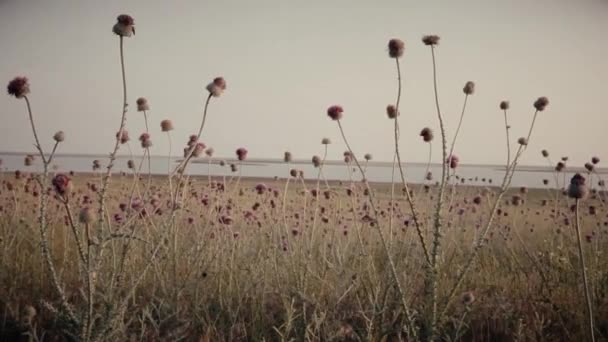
x=237 y=265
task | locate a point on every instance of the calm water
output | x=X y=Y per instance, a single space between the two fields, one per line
x=530 y=176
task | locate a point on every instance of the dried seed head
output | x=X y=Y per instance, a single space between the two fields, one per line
x=166 y=125
x=29 y=160
x=430 y=40
x=367 y=156
x=595 y=160
x=589 y=167
x=96 y=164
x=145 y=140
x=142 y=104
x=260 y=188
x=287 y=157
x=62 y=184
x=325 y=141
x=522 y=141
x=124 y=26
x=123 y=136
x=469 y=88
x=560 y=166
x=293 y=173
x=427 y=134
x=545 y=153
x=209 y=152
x=504 y=105
x=18 y=87
x=199 y=148
x=391 y=111
x=453 y=161
x=396 y=48
x=217 y=86
x=131 y=164
x=59 y=136
x=87 y=215
x=316 y=161
x=541 y=103
x=241 y=153
x=577 y=188
x=335 y=112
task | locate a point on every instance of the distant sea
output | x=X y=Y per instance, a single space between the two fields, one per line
x=482 y=175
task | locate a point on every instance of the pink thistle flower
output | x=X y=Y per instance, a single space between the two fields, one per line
x=18 y=87
x=241 y=153
x=335 y=112
x=124 y=26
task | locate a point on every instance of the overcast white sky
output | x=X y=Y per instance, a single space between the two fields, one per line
x=286 y=61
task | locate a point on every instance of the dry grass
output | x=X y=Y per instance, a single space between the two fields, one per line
x=257 y=278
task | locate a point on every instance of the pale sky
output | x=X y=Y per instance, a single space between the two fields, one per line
x=286 y=61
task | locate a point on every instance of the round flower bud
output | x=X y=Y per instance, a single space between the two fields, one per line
x=426 y=134
x=142 y=104
x=504 y=105
x=325 y=141
x=522 y=141
x=287 y=157
x=545 y=153
x=469 y=88
x=124 y=26
x=217 y=87
x=316 y=161
x=367 y=156
x=541 y=103
x=59 y=136
x=335 y=112
x=391 y=111
x=241 y=153
x=123 y=136
x=453 y=161
x=166 y=125
x=62 y=184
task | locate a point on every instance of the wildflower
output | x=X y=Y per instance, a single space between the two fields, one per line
x=142 y=104
x=469 y=88
x=287 y=157
x=427 y=134
x=545 y=153
x=541 y=103
x=468 y=298
x=367 y=156
x=577 y=188
x=59 y=136
x=316 y=161
x=595 y=160
x=217 y=87
x=453 y=161
x=123 y=136
x=124 y=26
x=391 y=111
x=430 y=40
x=522 y=141
x=504 y=105
x=62 y=184
x=335 y=112
x=241 y=153
x=166 y=125
x=396 y=48
x=18 y=87
x=325 y=141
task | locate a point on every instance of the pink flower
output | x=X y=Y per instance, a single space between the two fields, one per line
x=335 y=112
x=18 y=87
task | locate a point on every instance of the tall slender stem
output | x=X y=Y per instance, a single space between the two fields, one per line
x=464 y=106
x=584 y=272
x=508 y=139
x=38 y=146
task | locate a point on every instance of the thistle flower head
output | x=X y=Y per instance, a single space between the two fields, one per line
x=96 y=164
x=142 y=104
x=131 y=164
x=560 y=166
x=86 y=215
x=217 y=86
x=62 y=184
x=59 y=136
x=123 y=136
x=430 y=40
x=124 y=26
x=504 y=105
x=368 y=156
x=469 y=88
x=541 y=103
x=293 y=173
x=18 y=87
x=209 y=152
x=453 y=161
x=325 y=141
x=589 y=166
x=577 y=188
x=335 y=112
x=545 y=153
x=427 y=134
x=260 y=188
x=287 y=157
x=468 y=298
x=166 y=125
x=198 y=150
x=522 y=141
x=29 y=160
x=316 y=161
x=595 y=160
x=391 y=111
x=396 y=48
x=241 y=153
